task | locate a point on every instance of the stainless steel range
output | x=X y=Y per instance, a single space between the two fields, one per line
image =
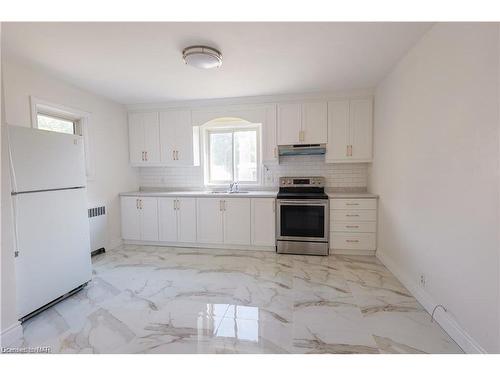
x=302 y=220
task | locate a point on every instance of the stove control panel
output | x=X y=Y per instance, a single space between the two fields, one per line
x=302 y=181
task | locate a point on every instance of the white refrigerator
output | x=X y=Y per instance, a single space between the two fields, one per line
x=51 y=224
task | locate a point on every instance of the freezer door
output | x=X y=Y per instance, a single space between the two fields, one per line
x=52 y=233
x=42 y=160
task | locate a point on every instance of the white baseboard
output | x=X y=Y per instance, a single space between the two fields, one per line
x=201 y=245
x=444 y=319
x=11 y=335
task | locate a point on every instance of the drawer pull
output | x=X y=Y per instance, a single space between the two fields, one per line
x=352 y=204
x=351 y=240
x=352 y=226
x=352 y=215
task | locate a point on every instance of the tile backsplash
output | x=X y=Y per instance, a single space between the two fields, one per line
x=337 y=175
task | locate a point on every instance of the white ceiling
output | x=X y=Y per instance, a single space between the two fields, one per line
x=141 y=62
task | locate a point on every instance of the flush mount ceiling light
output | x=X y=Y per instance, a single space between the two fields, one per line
x=202 y=57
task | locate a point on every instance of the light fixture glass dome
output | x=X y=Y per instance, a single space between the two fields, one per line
x=202 y=57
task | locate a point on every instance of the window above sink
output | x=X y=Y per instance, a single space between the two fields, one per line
x=231 y=153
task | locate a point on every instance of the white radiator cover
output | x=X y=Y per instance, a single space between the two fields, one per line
x=97 y=223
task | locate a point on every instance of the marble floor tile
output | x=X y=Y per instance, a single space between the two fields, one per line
x=147 y=299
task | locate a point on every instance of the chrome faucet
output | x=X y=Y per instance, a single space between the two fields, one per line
x=234 y=187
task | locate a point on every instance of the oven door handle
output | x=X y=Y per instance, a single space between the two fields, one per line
x=308 y=202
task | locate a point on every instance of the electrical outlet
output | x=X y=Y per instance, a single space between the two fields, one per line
x=422 y=280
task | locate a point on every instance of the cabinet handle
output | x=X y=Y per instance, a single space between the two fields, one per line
x=146 y=153
x=142 y=155
x=352 y=226
x=351 y=240
x=352 y=215
x=178 y=204
x=177 y=155
x=301 y=135
x=347 y=150
x=141 y=200
x=173 y=154
x=220 y=205
x=350 y=150
x=275 y=153
x=352 y=204
x=137 y=203
x=224 y=205
x=175 y=208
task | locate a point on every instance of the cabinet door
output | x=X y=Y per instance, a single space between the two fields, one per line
x=361 y=129
x=269 y=144
x=149 y=218
x=186 y=219
x=315 y=122
x=263 y=222
x=136 y=138
x=209 y=220
x=338 y=131
x=183 y=138
x=130 y=218
x=151 y=137
x=167 y=219
x=289 y=123
x=237 y=221
x=167 y=137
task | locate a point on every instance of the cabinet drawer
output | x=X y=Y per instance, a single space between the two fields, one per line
x=365 y=226
x=353 y=215
x=352 y=241
x=353 y=204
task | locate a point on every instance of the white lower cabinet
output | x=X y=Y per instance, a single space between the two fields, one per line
x=263 y=219
x=353 y=225
x=139 y=218
x=177 y=219
x=243 y=222
x=167 y=219
x=236 y=217
x=186 y=219
x=209 y=220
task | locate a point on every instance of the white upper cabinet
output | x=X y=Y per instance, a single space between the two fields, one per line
x=314 y=122
x=302 y=123
x=361 y=129
x=144 y=138
x=350 y=131
x=289 y=123
x=176 y=138
x=269 y=146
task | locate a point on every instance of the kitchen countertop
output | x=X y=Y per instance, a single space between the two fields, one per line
x=202 y=194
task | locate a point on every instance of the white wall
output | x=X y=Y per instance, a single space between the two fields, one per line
x=436 y=169
x=108 y=133
x=8 y=318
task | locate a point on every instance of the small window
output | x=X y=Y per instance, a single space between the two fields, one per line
x=232 y=155
x=55 y=124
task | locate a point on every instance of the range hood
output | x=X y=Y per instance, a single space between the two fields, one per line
x=309 y=149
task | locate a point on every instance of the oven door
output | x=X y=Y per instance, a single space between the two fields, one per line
x=302 y=220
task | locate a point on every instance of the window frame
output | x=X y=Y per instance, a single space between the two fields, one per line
x=81 y=120
x=75 y=123
x=231 y=128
